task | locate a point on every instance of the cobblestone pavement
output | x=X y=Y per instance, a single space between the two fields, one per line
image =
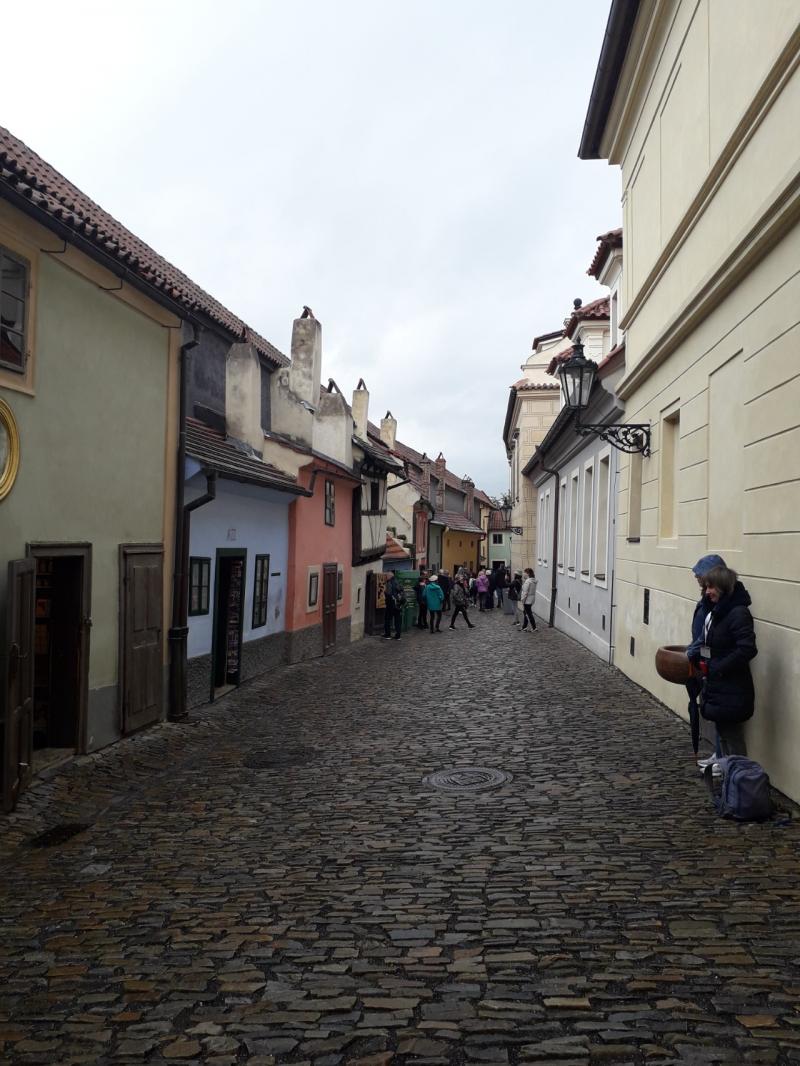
x=335 y=909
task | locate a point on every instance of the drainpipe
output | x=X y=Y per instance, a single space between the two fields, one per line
x=176 y=637
x=554 y=567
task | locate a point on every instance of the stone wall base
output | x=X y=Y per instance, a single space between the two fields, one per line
x=258 y=657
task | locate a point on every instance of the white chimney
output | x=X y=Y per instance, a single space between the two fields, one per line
x=389 y=431
x=306 y=368
x=361 y=409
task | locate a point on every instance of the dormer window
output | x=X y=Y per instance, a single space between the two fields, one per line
x=14 y=272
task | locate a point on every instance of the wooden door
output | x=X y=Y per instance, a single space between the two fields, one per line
x=330 y=576
x=18 y=726
x=142 y=680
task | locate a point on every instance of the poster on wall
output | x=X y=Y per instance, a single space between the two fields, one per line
x=380 y=591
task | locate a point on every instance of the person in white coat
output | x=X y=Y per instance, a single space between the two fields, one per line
x=528 y=598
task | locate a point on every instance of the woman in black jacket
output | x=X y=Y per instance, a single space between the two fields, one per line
x=728 y=645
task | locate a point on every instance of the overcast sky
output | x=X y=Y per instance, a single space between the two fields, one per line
x=409 y=170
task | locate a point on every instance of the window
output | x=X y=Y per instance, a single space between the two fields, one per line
x=313 y=588
x=668 y=495
x=540 y=529
x=562 y=518
x=330 y=503
x=635 y=497
x=199 y=581
x=497 y=538
x=13 y=310
x=375 y=496
x=601 y=526
x=339 y=585
x=586 y=521
x=572 y=556
x=260 y=591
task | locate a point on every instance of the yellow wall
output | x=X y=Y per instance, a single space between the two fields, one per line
x=459 y=549
x=712 y=316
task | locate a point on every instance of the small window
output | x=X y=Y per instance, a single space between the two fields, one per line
x=340 y=585
x=375 y=496
x=13 y=310
x=261 y=591
x=313 y=589
x=497 y=538
x=199 y=580
x=330 y=503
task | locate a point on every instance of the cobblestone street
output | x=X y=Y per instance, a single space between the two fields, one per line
x=332 y=908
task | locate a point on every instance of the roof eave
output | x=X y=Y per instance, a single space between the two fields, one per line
x=619 y=29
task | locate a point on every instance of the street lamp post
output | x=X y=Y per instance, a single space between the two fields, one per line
x=577 y=379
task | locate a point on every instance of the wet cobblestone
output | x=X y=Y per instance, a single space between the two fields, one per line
x=334 y=909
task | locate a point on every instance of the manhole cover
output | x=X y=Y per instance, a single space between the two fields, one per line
x=467 y=779
x=59 y=834
x=276 y=759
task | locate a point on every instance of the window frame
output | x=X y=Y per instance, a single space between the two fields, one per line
x=313 y=590
x=19 y=369
x=201 y=561
x=260 y=595
x=587 y=521
x=330 y=502
x=604 y=499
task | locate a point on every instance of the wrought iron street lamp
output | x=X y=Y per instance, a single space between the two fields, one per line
x=577 y=379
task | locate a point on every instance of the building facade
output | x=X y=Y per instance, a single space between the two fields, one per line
x=698 y=112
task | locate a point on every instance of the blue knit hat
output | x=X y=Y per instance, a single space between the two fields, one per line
x=708 y=562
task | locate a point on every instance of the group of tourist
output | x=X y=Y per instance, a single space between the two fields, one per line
x=436 y=592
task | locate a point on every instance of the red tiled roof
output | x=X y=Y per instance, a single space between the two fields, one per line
x=597 y=309
x=497 y=521
x=608 y=241
x=457 y=521
x=25 y=175
x=557 y=360
x=615 y=356
x=523 y=385
x=215 y=452
x=481 y=496
x=394 y=549
x=546 y=337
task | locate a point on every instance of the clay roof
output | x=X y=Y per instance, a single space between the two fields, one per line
x=29 y=182
x=557 y=360
x=394 y=549
x=523 y=385
x=608 y=241
x=546 y=337
x=483 y=498
x=596 y=310
x=457 y=521
x=216 y=452
x=497 y=521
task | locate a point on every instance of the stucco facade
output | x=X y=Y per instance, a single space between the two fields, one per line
x=704 y=109
x=96 y=418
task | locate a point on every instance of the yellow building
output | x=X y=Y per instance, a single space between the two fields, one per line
x=698 y=103
x=460 y=547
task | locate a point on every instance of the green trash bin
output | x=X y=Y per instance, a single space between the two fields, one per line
x=408 y=579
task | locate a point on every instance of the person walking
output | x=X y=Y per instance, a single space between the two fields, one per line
x=445 y=584
x=419 y=592
x=395 y=599
x=482 y=588
x=694 y=686
x=729 y=643
x=528 y=598
x=514 y=596
x=460 y=601
x=434 y=600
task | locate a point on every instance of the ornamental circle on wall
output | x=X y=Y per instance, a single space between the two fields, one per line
x=9 y=449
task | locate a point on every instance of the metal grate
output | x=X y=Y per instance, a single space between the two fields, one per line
x=58 y=834
x=462 y=779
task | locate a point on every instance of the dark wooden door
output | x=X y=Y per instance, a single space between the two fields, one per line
x=18 y=725
x=330 y=576
x=228 y=618
x=142 y=657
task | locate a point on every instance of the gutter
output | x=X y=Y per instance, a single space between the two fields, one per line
x=554 y=567
x=619 y=30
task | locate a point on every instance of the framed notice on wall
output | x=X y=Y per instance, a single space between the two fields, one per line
x=380 y=590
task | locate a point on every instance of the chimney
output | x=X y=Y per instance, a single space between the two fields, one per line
x=468 y=488
x=441 y=470
x=425 y=464
x=306 y=368
x=361 y=409
x=389 y=431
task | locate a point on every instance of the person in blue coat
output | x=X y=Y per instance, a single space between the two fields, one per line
x=434 y=601
x=694 y=686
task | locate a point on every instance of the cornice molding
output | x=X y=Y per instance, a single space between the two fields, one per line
x=773 y=222
x=768 y=92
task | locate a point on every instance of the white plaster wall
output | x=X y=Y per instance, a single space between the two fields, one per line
x=257 y=520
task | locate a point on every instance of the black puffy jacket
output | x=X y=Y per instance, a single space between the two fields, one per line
x=729 y=695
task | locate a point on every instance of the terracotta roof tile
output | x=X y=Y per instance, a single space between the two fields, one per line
x=215 y=452
x=497 y=521
x=25 y=174
x=523 y=385
x=456 y=520
x=394 y=549
x=597 y=309
x=608 y=242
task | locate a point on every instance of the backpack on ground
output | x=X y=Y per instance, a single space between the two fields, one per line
x=745 y=794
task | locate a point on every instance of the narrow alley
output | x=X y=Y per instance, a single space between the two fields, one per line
x=274 y=881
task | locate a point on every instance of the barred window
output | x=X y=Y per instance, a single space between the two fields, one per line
x=261 y=591
x=330 y=503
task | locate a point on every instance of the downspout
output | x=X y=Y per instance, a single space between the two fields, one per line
x=176 y=637
x=554 y=567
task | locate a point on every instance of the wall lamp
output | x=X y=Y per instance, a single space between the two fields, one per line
x=577 y=379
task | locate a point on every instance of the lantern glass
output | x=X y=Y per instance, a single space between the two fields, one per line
x=577 y=379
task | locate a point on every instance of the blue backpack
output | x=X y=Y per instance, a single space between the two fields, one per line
x=745 y=794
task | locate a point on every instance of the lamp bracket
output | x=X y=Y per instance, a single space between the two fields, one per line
x=630 y=437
